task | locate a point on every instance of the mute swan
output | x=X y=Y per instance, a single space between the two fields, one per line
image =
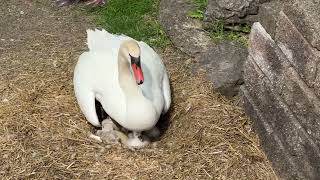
x=127 y=77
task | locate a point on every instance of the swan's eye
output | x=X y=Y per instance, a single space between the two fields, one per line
x=135 y=60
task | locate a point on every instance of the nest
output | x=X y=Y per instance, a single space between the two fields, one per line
x=43 y=133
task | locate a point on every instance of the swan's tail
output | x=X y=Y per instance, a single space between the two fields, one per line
x=102 y=40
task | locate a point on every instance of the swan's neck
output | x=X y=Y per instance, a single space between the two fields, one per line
x=126 y=80
x=139 y=110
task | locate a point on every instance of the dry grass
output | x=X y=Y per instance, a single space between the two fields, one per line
x=44 y=135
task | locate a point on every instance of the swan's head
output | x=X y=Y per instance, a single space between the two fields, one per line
x=134 y=54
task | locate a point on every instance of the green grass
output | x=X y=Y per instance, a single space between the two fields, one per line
x=134 y=18
x=200 y=7
x=218 y=33
x=201 y=4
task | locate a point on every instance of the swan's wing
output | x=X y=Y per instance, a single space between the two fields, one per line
x=83 y=90
x=156 y=72
x=166 y=93
x=102 y=40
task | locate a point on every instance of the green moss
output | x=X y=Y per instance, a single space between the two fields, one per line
x=134 y=18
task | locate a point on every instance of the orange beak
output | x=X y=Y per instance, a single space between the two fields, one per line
x=138 y=74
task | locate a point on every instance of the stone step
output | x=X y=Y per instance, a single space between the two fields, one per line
x=296 y=151
x=305 y=15
x=285 y=80
x=268 y=15
x=270 y=140
x=285 y=109
x=298 y=51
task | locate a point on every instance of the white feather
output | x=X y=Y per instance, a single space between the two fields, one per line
x=96 y=77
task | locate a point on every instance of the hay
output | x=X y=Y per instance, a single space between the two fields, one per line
x=44 y=135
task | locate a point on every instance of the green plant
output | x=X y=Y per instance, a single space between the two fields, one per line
x=200 y=7
x=137 y=19
x=201 y=4
x=196 y=14
x=220 y=32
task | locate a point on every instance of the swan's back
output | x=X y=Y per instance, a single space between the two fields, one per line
x=101 y=40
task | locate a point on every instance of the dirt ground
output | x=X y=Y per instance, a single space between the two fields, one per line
x=44 y=135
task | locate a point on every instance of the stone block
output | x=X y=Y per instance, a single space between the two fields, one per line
x=302 y=101
x=285 y=81
x=305 y=15
x=298 y=150
x=264 y=49
x=317 y=82
x=298 y=51
x=269 y=140
x=268 y=16
x=284 y=108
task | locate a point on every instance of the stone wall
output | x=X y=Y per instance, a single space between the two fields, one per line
x=282 y=86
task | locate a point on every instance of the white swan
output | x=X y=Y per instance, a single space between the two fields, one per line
x=127 y=77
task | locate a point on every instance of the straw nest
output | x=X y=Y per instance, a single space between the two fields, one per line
x=43 y=134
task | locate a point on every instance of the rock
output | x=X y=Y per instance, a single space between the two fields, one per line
x=308 y=27
x=223 y=62
x=285 y=110
x=299 y=52
x=233 y=11
x=309 y=17
x=186 y=33
x=224 y=66
x=317 y=81
x=278 y=151
x=268 y=15
x=285 y=81
x=294 y=146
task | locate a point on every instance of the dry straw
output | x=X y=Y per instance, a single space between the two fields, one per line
x=44 y=135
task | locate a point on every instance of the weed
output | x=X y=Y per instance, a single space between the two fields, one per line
x=220 y=32
x=200 y=7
